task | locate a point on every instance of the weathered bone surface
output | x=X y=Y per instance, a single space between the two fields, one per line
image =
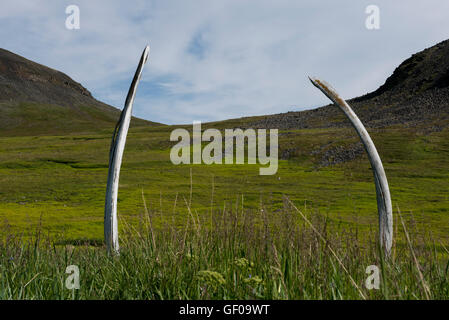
x=115 y=161
x=380 y=179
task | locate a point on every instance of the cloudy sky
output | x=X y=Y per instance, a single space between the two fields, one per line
x=214 y=60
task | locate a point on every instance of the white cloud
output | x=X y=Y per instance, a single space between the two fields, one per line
x=214 y=60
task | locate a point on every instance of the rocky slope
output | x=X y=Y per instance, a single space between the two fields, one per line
x=416 y=93
x=35 y=99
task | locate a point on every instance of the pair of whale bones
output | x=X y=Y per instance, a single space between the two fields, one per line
x=384 y=207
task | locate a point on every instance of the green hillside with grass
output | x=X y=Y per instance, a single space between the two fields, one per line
x=221 y=231
x=37 y=100
x=59 y=181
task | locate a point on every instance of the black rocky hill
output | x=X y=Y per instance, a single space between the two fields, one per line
x=35 y=99
x=416 y=94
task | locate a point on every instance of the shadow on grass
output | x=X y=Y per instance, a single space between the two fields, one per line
x=81 y=242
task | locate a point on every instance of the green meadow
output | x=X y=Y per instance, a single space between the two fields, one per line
x=58 y=182
x=223 y=231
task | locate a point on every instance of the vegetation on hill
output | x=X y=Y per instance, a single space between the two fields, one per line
x=37 y=100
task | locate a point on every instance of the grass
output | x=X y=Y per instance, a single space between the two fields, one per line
x=60 y=180
x=31 y=118
x=230 y=253
x=214 y=226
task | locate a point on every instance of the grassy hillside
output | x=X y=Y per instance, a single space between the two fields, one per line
x=222 y=231
x=59 y=181
x=37 y=100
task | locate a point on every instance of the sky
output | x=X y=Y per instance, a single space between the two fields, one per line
x=216 y=60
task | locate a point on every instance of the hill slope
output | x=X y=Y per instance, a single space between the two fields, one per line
x=417 y=93
x=35 y=99
x=413 y=102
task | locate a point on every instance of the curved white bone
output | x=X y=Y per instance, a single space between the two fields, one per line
x=380 y=179
x=115 y=161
